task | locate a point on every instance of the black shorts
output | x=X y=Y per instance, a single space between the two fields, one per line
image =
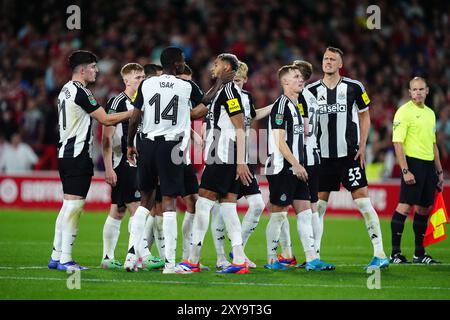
x=76 y=174
x=285 y=187
x=220 y=178
x=346 y=170
x=422 y=192
x=125 y=190
x=190 y=180
x=313 y=182
x=158 y=196
x=155 y=161
x=253 y=188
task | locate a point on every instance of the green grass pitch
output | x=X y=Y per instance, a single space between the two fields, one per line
x=26 y=239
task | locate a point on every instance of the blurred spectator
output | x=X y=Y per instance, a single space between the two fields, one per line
x=443 y=136
x=17 y=157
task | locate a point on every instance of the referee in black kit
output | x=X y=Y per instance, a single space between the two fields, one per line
x=414 y=139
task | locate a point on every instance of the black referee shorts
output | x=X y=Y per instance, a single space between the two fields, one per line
x=155 y=161
x=285 y=187
x=422 y=192
x=347 y=170
x=125 y=190
x=76 y=174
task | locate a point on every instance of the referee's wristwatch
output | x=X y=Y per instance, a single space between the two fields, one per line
x=405 y=170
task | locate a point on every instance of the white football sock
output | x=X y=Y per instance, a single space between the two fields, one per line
x=321 y=209
x=186 y=229
x=218 y=232
x=203 y=208
x=69 y=225
x=255 y=208
x=130 y=222
x=159 y=237
x=233 y=224
x=56 y=252
x=111 y=231
x=170 y=230
x=137 y=229
x=285 y=239
x=372 y=224
x=317 y=231
x=273 y=231
x=305 y=232
x=146 y=235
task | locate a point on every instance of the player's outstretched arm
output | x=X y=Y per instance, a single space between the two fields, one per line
x=263 y=112
x=110 y=119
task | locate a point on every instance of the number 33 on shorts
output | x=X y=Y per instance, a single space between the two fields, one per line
x=354 y=175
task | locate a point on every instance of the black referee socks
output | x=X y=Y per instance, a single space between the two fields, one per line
x=397 y=226
x=419 y=227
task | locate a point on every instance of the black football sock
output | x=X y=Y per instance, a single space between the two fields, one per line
x=419 y=226
x=397 y=226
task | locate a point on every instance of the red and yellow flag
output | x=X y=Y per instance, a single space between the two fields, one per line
x=438 y=217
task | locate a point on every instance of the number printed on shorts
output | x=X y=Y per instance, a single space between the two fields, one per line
x=354 y=174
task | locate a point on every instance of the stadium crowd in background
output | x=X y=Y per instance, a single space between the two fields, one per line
x=414 y=40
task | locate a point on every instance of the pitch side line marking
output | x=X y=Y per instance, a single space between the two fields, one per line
x=221 y=283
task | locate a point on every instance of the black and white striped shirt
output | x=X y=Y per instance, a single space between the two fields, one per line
x=309 y=103
x=220 y=144
x=75 y=103
x=249 y=114
x=285 y=115
x=338 y=132
x=121 y=103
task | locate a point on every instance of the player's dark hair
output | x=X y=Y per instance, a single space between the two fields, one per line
x=187 y=70
x=170 y=56
x=231 y=59
x=336 y=50
x=151 y=69
x=305 y=68
x=81 y=57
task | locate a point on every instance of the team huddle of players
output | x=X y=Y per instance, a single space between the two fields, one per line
x=316 y=137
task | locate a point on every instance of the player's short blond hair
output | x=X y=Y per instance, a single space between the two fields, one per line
x=130 y=67
x=242 y=70
x=285 y=70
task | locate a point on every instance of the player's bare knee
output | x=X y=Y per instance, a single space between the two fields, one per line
x=189 y=201
x=403 y=208
x=360 y=193
x=208 y=194
x=168 y=204
x=324 y=196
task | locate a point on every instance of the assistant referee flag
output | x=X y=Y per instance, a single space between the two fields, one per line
x=438 y=217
